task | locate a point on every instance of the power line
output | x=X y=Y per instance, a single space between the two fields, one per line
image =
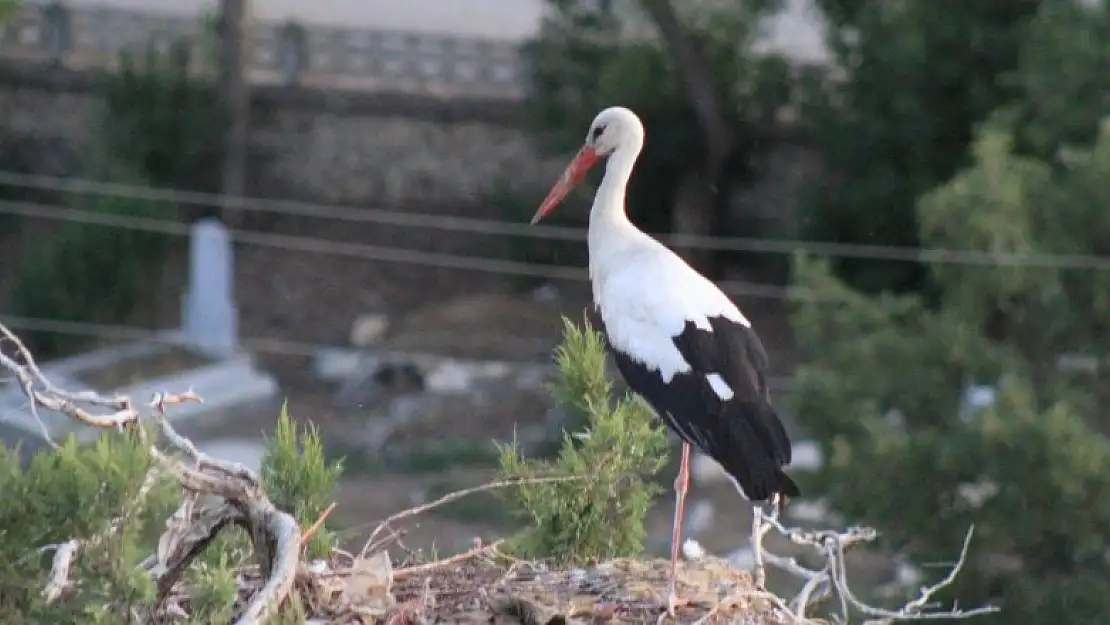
x=277 y=347
x=503 y=228
x=362 y=251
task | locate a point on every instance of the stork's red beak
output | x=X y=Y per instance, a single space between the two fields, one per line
x=572 y=175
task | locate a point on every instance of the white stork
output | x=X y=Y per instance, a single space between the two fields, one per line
x=679 y=342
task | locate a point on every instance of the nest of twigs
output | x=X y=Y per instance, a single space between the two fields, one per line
x=484 y=585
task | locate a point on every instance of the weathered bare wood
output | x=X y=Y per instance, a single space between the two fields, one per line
x=275 y=534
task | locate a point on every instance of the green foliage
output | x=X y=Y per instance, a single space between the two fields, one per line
x=213 y=590
x=7 y=9
x=586 y=58
x=1062 y=77
x=164 y=121
x=600 y=516
x=90 y=272
x=76 y=492
x=1038 y=453
x=299 y=479
x=16 y=156
x=920 y=76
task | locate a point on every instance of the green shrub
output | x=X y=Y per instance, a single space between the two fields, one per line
x=89 y=272
x=602 y=515
x=77 y=491
x=299 y=479
x=1030 y=469
x=163 y=121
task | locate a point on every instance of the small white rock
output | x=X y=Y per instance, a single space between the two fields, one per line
x=545 y=293
x=368 y=329
x=449 y=377
x=692 y=549
x=331 y=364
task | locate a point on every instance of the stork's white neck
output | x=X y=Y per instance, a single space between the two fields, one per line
x=611 y=232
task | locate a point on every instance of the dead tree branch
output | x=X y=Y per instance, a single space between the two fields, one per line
x=274 y=533
x=832 y=577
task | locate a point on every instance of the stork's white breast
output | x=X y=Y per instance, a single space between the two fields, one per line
x=646 y=303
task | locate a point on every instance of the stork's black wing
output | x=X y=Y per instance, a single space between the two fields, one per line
x=734 y=351
x=743 y=433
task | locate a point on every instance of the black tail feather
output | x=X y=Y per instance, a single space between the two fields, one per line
x=757 y=453
x=776 y=484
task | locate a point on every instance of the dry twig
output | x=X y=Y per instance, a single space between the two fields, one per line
x=477 y=550
x=454 y=496
x=315 y=527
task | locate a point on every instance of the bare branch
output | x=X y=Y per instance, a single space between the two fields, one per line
x=64 y=555
x=832 y=576
x=315 y=527
x=50 y=397
x=274 y=534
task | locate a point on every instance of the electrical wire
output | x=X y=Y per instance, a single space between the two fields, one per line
x=503 y=228
x=294 y=243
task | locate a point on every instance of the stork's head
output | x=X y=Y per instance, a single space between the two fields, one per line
x=613 y=129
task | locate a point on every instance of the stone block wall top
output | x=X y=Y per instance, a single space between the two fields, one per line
x=286 y=53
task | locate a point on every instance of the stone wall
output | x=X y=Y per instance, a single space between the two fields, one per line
x=344 y=147
x=385 y=150
x=394 y=151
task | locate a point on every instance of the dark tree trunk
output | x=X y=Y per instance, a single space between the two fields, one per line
x=700 y=209
x=702 y=203
x=235 y=95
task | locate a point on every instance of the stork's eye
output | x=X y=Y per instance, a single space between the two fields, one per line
x=597 y=133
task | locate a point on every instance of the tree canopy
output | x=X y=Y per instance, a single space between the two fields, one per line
x=982 y=401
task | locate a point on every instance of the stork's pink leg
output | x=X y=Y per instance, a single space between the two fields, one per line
x=681 y=483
